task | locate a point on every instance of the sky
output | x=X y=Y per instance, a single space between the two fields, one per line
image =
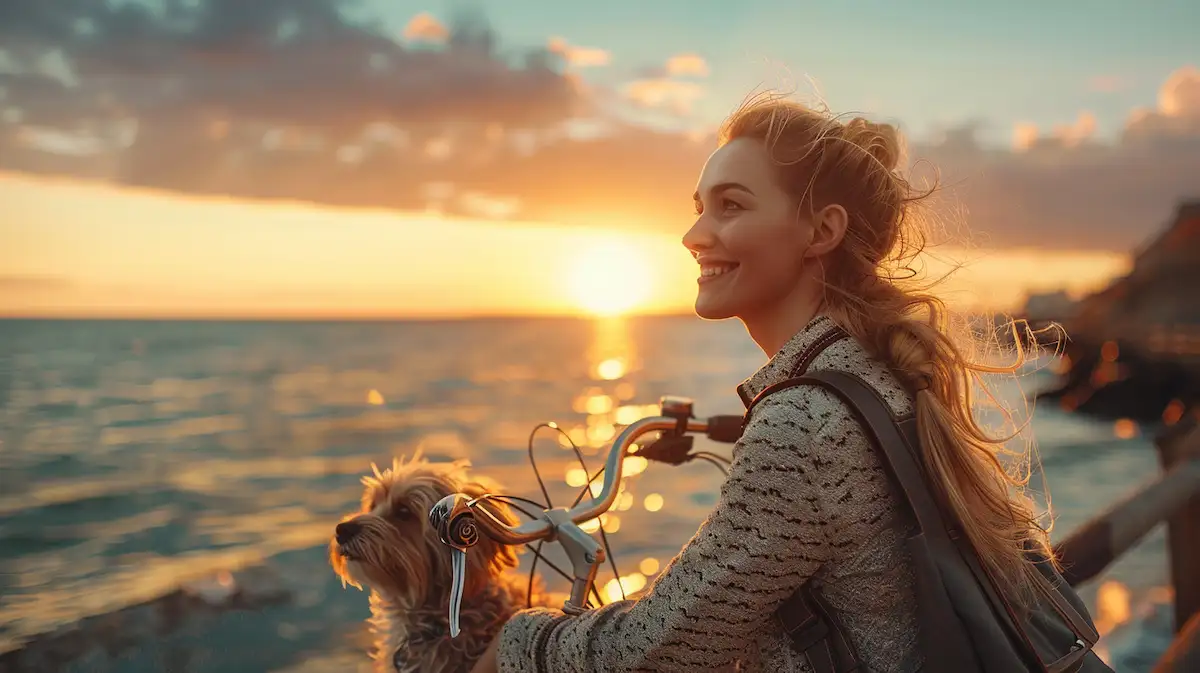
x=391 y=158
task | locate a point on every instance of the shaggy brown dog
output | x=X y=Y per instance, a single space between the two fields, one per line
x=390 y=548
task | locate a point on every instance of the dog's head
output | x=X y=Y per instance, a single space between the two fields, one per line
x=389 y=545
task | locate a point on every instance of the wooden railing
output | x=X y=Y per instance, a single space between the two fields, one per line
x=1175 y=498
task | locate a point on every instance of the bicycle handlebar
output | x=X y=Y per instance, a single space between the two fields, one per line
x=458 y=518
x=541 y=529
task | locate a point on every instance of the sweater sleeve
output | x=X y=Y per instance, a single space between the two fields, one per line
x=766 y=537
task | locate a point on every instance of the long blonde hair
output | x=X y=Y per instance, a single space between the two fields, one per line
x=822 y=160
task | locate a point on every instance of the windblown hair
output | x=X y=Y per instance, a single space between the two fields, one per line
x=823 y=160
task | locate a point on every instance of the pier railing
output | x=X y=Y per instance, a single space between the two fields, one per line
x=1174 y=498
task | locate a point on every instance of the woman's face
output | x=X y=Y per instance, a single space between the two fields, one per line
x=747 y=238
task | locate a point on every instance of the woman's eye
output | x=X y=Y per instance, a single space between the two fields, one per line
x=727 y=206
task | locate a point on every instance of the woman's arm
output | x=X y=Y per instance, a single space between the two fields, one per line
x=488 y=663
x=765 y=538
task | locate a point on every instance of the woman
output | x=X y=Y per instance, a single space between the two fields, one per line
x=799 y=218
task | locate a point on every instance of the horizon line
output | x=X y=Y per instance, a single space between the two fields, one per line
x=398 y=318
x=330 y=317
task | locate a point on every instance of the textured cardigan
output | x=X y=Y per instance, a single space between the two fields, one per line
x=806 y=495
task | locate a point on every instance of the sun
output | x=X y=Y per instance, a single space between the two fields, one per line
x=610 y=278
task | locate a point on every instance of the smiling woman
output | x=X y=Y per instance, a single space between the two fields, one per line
x=611 y=278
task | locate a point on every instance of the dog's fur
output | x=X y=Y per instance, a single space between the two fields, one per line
x=397 y=555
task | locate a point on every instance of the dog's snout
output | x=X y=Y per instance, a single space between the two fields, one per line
x=347 y=530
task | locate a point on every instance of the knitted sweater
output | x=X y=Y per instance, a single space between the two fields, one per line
x=806 y=494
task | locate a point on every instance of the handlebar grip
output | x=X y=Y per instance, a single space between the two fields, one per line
x=727 y=429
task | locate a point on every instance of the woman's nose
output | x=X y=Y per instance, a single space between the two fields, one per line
x=700 y=237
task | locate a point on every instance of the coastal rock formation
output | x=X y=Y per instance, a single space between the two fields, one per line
x=1134 y=347
x=92 y=642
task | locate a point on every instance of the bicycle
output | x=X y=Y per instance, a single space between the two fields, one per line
x=458 y=518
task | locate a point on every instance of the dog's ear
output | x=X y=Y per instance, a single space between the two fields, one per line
x=372 y=485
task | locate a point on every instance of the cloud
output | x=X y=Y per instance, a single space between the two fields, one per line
x=671 y=95
x=294 y=99
x=669 y=87
x=1028 y=136
x=579 y=57
x=1180 y=95
x=424 y=27
x=1177 y=116
x=1064 y=188
x=687 y=64
x=265 y=99
x=1025 y=136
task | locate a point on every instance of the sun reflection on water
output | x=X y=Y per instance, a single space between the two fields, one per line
x=611 y=369
x=608 y=404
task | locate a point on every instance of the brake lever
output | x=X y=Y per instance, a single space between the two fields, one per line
x=669 y=449
x=454 y=522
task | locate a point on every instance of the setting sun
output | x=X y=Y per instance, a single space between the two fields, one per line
x=610 y=278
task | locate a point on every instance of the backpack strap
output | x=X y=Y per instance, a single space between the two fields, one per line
x=828 y=338
x=806 y=617
x=809 y=620
x=858 y=393
x=897 y=442
x=894 y=437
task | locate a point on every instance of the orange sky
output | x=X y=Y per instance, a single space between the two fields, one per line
x=70 y=248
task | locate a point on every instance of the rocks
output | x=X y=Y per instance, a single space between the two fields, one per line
x=102 y=638
x=1134 y=348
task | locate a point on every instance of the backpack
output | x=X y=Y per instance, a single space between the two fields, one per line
x=964 y=624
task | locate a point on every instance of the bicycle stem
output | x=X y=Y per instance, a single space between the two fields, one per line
x=586 y=555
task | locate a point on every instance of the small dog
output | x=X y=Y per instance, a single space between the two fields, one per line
x=390 y=548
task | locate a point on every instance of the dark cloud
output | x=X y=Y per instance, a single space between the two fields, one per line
x=294 y=99
x=265 y=98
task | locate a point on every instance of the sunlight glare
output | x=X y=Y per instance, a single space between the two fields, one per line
x=610 y=278
x=611 y=369
x=630 y=583
x=576 y=477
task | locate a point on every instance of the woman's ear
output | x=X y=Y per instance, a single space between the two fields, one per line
x=828 y=229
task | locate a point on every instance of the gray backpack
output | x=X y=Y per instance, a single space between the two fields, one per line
x=964 y=624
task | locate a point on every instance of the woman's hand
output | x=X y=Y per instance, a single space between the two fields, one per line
x=488 y=662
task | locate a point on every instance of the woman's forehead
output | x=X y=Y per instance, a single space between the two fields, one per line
x=742 y=161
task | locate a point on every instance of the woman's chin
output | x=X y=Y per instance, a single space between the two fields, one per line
x=711 y=308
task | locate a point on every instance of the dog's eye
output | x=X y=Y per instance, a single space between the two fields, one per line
x=402 y=513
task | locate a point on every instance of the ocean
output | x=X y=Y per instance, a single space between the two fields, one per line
x=136 y=455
